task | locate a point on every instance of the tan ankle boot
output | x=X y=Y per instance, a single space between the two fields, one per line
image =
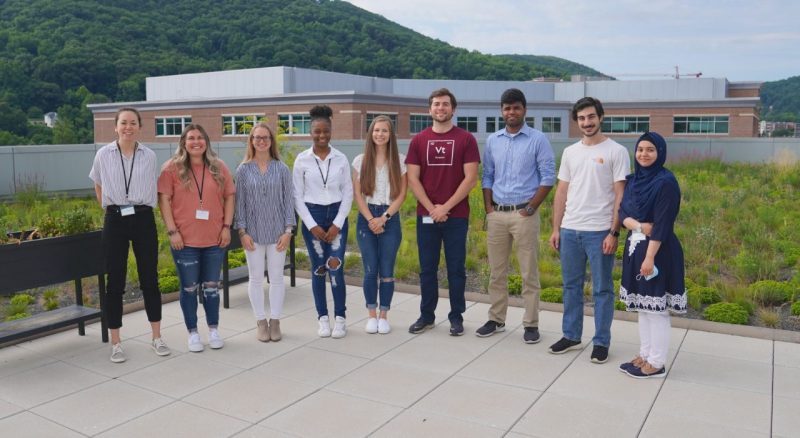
x=262 y=333
x=275 y=329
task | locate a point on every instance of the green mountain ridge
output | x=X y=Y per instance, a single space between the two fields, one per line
x=63 y=55
x=780 y=100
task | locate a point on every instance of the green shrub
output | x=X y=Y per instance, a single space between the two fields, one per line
x=16 y=316
x=168 y=284
x=552 y=295
x=22 y=300
x=169 y=271
x=699 y=295
x=796 y=308
x=77 y=221
x=770 y=292
x=50 y=305
x=514 y=284
x=731 y=313
x=619 y=305
x=352 y=260
x=50 y=226
x=234 y=263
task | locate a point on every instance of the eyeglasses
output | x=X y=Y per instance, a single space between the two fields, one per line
x=258 y=138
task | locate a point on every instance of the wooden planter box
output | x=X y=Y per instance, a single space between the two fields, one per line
x=42 y=262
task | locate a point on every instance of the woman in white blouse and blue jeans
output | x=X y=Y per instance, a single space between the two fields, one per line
x=323 y=195
x=265 y=220
x=379 y=188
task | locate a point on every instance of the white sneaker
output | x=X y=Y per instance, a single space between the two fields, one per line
x=372 y=325
x=339 y=329
x=324 y=327
x=117 y=355
x=214 y=341
x=195 y=345
x=383 y=326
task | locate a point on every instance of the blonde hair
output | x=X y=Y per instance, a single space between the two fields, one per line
x=183 y=164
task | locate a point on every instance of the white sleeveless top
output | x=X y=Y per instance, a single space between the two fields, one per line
x=382 y=188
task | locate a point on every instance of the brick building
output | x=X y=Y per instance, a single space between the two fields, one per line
x=227 y=103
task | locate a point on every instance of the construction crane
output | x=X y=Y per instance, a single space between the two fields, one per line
x=676 y=75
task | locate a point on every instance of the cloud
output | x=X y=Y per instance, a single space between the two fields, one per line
x=616 y=36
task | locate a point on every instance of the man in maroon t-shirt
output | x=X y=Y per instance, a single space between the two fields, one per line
x=442 y=169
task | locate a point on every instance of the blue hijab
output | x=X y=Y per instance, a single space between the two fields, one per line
x=645 y=183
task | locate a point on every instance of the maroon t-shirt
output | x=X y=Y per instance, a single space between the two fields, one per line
x=441 y=158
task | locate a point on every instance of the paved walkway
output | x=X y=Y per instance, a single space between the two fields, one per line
x=392 y=385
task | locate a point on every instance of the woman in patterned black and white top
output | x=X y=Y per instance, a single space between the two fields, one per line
x=265 y=220
x=379 y=189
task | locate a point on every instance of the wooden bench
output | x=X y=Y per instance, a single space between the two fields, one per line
x=44 y=262
x=240 y=277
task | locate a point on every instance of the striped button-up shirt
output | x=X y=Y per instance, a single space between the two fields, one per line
x=264 y=202
x=107 y=172
x=514 y=166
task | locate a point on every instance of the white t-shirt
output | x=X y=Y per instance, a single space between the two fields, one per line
x=591 y=172
x=382 y=188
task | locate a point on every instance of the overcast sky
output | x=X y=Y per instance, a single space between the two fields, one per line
x=750 y=40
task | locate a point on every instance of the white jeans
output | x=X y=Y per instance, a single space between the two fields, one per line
x=255 y=288
x=654 y=331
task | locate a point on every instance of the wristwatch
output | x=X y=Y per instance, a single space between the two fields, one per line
x=530 y=210
x=614 y=233
x=387 y=215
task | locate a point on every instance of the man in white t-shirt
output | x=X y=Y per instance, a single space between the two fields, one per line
x=591 y=180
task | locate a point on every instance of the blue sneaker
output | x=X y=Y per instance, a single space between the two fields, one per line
x=646 y=371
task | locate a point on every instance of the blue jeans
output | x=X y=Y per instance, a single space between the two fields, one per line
x=199 y=268
x=320 y=253
x=430 y=237
x=575 y=248
x=378 y=253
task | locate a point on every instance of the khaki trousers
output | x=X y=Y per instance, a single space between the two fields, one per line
x=504 y=229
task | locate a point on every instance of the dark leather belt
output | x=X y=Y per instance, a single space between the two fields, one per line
x=114 y=209
x=499 y=207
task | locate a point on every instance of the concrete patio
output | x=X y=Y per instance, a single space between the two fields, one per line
x=399 y=384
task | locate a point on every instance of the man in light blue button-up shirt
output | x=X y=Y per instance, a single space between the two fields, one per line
x=518 y=172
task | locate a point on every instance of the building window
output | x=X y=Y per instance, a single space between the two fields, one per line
x=530 y=121
x=494 y=124
x=468 y=123
x=295 y=124
x=551 y=124
x=418 y=122
x=626 y=124
x=700 y=125
x=239 y=125
x=171 y=126
x=371 y=117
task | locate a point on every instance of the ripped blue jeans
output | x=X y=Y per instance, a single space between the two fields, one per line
x=199 y=270
x=327 y=259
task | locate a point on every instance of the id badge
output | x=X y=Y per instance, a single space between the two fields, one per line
x=427 y=220
x=201 y=214
x=126 y=210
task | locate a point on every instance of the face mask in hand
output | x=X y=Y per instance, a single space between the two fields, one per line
x=649 y=277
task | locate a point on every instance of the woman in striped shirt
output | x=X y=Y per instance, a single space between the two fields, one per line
x=265 y=220
x=124 y=174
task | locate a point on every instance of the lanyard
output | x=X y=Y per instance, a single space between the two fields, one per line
x=129 y=178
x=327 y=174
x=201 y=184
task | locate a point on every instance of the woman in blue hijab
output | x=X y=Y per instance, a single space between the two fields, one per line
x=652 y=266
